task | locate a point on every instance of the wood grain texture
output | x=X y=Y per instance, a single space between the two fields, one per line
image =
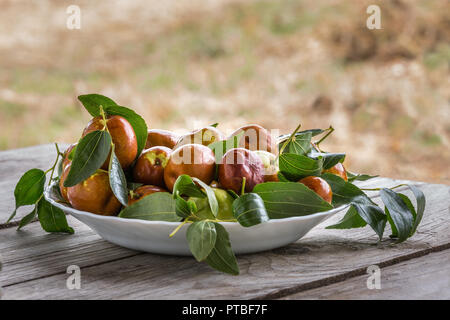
x=13 y=164
x=426 y=277
x=322 y=257
x=32 y=253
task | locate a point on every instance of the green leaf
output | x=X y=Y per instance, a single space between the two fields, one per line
x=136 y=121
x=214 y=125
x=417 y=215
x=391 y=222
x=28 y=218
x=221 y=147
x=72 y=153
x=398 y=212
x=184 y=185
x=92 y=103
x=222 y=257
x=349 y=221
x=281 y=177
x=296 y=166
x=52 y=219
x=184 y=208
x=117 y=179
x=358 y=177
x=212 y=200
x=289 y=199
x=29 y=189
x=249 y=210
x=346 y=192
x=203 y=209
x=233 y=194
x=158 y=206
x=91 y=153
x=300 y=144
x=421 y=202
x=201 y=237
x=329 y=159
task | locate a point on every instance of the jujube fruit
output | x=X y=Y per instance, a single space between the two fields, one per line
x=204 y=136
x=143 y=191
x=66 y=161
x=122 y=135
x=63 y=177
x=149 y=168
x=225 y=201
x=270 y=164
x=339 y=170
x=239 y=163
x=195 y=160
x=94 y=195
x=255 y=137
x=319 y=186
x=159 y=137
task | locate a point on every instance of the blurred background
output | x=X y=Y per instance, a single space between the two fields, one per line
x=183 y=64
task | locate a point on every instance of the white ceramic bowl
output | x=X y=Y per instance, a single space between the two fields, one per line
x=153 y=236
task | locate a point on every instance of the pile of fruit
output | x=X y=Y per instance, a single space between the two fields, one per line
x=120 y=168
x=166 y=157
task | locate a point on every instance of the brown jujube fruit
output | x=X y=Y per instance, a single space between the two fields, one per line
x=142 y=192
x=255 y=138
x=122 y=135
x=339 y=170
x=66 y=161
x=204 y=136
x=239 y=163
x=149 y=168
x=319 y=186
x=269 y=161
x=62 y=179
x=195 y=160
x=94 y=195
x=159 y=137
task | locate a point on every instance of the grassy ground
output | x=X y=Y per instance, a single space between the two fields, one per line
x=185 y=64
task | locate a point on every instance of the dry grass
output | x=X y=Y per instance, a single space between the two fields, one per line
x=185 y=64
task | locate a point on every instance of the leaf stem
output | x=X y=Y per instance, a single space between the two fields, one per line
x=57 y=150
x=52 y=169
x=378 y=189
x=330 y=131
x=178 y=228
x=105 y=128
x=288 y=140
x=243 y=185
x=218 y=220
x=291 y=137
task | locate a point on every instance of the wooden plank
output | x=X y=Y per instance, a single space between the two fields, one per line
x=32 y=253
x=427 y=277
x=322 y=255
x=13 y=164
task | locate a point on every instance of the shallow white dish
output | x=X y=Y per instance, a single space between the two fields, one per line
x=153 y=236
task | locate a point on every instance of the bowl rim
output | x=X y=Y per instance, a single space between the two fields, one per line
x=48 y=197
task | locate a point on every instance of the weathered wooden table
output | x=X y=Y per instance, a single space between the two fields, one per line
x=325 y=264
